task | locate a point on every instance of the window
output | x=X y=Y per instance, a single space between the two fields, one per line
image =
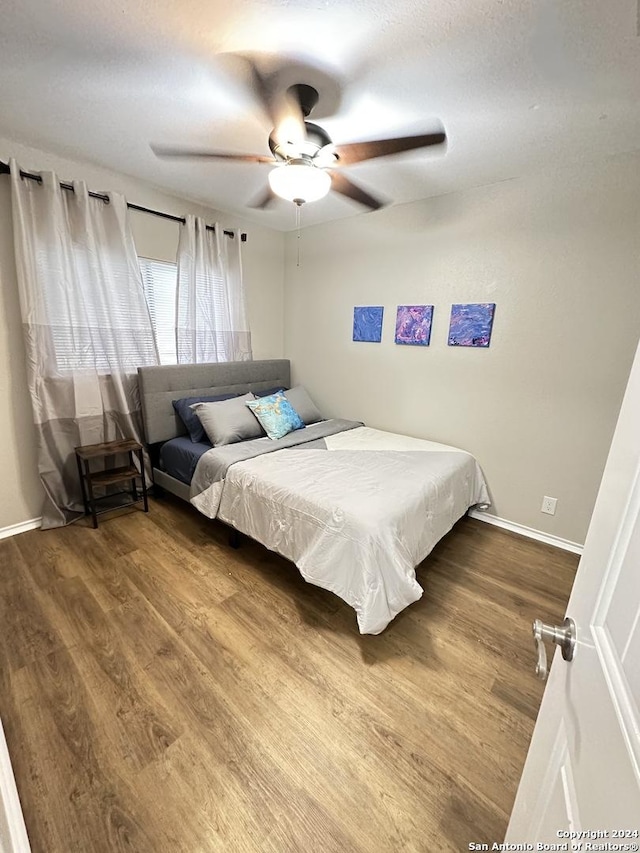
x=160 y=280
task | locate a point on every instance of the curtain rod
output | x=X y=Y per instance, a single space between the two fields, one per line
x=5 y=170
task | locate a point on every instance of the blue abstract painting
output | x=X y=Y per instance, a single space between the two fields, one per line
x=471 y=324
x=367 y=323
x=413 y=324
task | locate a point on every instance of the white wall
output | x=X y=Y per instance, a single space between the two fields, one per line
x=263 y=258
x=558 y=253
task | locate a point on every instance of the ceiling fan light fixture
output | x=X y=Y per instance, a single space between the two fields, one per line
x=299 y=182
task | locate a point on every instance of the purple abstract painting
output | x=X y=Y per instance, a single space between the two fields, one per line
x=471 y=324
x=413 y=324
x=367 y=323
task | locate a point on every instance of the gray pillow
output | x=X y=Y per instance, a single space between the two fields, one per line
x=303 y=404
x=188 y=417
x=228 y=421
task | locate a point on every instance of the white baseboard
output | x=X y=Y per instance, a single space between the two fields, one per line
x=530 y=532
x=21 y=527
x=523 y=530
x=11 y=820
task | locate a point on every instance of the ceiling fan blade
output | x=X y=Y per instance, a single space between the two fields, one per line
x=264 y=200
x=356 y=152
x=187 y=153
x=344 y=186
x=283 y=108
x=261 y=89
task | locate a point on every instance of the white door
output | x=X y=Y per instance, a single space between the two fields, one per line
x=583 y=768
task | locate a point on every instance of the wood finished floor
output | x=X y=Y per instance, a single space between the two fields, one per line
x=162 y=692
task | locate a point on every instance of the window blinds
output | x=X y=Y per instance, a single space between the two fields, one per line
x=160 y=280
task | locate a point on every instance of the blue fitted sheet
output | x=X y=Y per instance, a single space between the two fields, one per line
x=179 y=457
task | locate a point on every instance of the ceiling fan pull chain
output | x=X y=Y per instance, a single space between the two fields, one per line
x=298 y=218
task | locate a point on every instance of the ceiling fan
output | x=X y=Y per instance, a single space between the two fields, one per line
x=307 y=163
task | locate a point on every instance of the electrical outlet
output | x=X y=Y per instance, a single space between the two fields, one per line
x=549 y=505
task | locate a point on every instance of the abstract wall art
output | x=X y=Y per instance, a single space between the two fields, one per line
x=471 y=324
x=367 y=323
x=413 y=324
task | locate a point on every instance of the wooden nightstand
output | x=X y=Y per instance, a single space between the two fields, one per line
x=128 y=473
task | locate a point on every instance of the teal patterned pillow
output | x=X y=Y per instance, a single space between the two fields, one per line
x=276 y=414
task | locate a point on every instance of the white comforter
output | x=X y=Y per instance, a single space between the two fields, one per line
x=355 y=519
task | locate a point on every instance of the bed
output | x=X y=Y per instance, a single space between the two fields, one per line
x=356 y=509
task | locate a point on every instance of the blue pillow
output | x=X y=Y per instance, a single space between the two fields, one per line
x=276 y=414
x=189 y=417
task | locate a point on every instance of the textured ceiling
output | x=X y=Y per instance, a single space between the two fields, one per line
x=519 y=86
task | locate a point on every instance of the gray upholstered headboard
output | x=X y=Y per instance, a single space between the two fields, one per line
x=160 y=385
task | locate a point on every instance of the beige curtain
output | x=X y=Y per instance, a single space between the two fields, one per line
x=86 y=326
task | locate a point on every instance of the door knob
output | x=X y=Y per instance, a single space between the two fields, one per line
x=562 y=635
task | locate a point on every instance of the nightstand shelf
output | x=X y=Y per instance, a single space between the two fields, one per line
x=124 y=474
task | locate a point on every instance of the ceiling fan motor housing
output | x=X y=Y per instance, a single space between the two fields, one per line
x=316 y=138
